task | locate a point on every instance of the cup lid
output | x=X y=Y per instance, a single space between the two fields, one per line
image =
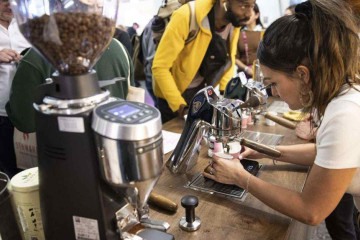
x=25 y=181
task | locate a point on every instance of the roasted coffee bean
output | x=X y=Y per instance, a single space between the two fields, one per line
x=71 y=41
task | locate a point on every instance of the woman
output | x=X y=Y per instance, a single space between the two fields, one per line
x=249 y=39
x=313 y=68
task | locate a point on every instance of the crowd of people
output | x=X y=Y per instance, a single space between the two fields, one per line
x=305 y=59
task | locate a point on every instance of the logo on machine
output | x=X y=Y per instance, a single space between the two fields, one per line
x=196 y=106
x=209 y=92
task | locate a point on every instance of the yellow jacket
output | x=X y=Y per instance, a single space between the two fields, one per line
x=176 y=63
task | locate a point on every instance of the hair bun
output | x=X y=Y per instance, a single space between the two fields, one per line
x=304 y=9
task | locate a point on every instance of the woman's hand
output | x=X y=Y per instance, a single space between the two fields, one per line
x=226 y=171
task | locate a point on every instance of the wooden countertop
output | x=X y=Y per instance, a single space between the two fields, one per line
x=225 y=218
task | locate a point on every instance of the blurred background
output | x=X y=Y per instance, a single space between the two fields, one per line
x=141 y=11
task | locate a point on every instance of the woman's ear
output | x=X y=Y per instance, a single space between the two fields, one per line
x=303 y=73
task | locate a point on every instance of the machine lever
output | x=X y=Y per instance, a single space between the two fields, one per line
x=260 y=147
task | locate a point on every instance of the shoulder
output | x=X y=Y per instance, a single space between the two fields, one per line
x=115 y=48
x=33 y=60
x=348 y=98
x=344 y=108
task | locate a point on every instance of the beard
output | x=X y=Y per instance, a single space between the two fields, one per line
x=235 y=20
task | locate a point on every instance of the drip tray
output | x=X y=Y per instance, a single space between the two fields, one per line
x=200 y=183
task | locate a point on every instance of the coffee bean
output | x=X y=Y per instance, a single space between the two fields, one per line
x=70 y=41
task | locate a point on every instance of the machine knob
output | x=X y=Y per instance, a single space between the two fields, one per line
x=190 y=222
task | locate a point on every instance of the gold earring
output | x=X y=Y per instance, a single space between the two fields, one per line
x=310 y=100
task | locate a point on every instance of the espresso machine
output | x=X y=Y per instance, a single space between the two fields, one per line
x=99 y=157
x=213 y=117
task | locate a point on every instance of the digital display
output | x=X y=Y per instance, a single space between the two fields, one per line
x=123 y=110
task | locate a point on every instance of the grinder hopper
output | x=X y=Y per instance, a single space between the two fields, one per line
x=71 y=35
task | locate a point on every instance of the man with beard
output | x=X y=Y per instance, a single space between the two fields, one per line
x=182 y=67
x=11 y=44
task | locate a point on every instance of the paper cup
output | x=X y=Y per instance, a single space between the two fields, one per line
x=244 y=121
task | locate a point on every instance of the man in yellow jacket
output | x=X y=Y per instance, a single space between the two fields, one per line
x=181 y=68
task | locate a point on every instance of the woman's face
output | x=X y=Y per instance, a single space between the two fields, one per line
x=287 y=88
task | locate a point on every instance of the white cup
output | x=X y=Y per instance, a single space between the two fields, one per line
x=269 y=122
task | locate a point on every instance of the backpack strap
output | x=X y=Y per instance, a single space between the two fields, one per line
x=193 y=25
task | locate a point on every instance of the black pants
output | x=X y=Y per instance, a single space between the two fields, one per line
x=166 y=113
x=7 y=152
x=341 y=223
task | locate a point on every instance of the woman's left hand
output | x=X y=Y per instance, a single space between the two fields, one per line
x=226 y=171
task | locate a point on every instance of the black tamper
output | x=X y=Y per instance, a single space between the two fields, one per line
x=190 y=222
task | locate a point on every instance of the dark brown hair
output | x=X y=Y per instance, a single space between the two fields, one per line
x=322 y=35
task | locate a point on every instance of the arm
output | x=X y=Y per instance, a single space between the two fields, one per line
x=320 y=196
x=171 y=44
x=301 y=154
x=321 y=193
x=20 y=106
x=337 y=160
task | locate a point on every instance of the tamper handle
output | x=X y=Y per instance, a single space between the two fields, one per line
x=190 y=222
x=262 y=148
x=189 y=203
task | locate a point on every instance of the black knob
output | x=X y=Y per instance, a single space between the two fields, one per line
x=190 y=222
x=190 y=203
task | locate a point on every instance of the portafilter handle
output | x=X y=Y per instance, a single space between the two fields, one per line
x=261 y=148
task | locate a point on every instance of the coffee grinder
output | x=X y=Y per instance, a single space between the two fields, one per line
x=94 y=151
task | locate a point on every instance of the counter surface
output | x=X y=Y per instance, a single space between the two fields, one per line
x=225 y=218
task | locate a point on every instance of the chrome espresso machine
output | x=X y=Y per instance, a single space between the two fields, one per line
x=210 y=116
x=99 y=157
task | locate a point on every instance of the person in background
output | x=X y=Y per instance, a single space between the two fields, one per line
x=33 y=70
x=290 y=10
x=151 y=36
x=148 y=51
x=12 y=43
x=123 y=37
x=180 y=69
x=313 y=68
x=249 y=39
x=132 y=30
